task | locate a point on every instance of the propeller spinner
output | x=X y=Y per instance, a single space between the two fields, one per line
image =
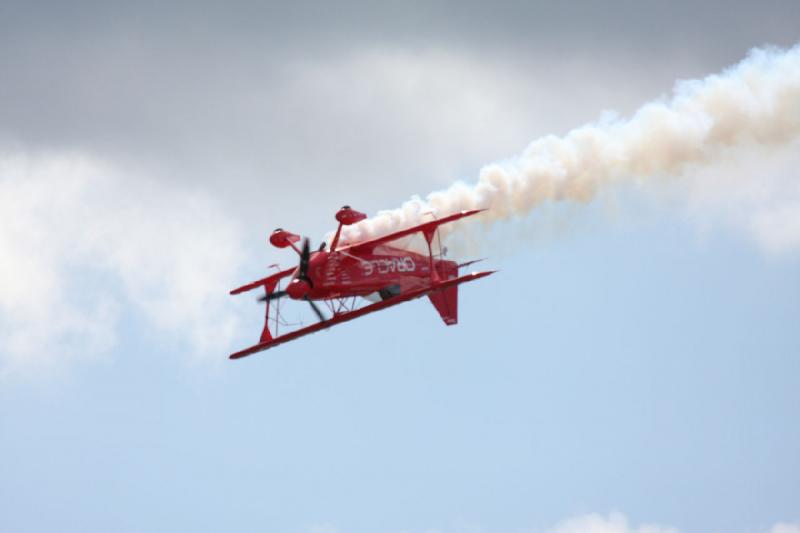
x=300 y=285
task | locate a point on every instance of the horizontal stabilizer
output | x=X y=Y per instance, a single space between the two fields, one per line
x=468 y=263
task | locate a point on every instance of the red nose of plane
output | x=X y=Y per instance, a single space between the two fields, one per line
x=298 y=288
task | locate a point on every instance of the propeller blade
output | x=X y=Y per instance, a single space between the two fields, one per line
x=305 y=255
x=272 y=296
x=302 y=273
x=315 y=308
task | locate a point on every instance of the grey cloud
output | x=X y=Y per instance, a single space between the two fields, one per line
x=94 y=71
x=254 y=99
x=714 y=24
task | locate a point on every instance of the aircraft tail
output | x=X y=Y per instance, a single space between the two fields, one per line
x=446 y=303
x=446 y=300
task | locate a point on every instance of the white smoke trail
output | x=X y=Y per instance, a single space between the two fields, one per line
x=754 y=102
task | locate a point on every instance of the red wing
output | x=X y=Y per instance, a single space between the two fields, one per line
x=344 y=317
x=367 y=246
x=269 y=280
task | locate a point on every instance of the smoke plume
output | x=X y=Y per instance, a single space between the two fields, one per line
x=754 y=103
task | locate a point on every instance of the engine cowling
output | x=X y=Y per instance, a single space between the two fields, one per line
x=298 y=288
x=280 y=238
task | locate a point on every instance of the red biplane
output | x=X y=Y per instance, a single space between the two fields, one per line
x=340 y=276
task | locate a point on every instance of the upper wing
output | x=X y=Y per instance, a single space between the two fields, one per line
x=427 y=227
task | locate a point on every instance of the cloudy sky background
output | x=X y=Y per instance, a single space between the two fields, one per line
x=635 y=355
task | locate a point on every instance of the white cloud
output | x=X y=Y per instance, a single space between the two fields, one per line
x=84 y=245
x=785 y=528
x=613 y=523
x=590 y=523
x=618 y=523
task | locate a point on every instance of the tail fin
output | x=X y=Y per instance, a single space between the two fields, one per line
x=446 y=302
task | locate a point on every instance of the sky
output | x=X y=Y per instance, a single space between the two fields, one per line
x=632 y=367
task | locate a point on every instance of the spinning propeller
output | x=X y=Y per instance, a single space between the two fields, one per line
x=300 y=285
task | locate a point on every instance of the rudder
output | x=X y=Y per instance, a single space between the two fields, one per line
x=446 y=300
x=446 y=303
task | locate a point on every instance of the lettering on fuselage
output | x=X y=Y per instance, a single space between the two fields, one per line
x=389 y=265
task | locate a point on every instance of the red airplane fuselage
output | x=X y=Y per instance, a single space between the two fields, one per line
x=386 y=270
